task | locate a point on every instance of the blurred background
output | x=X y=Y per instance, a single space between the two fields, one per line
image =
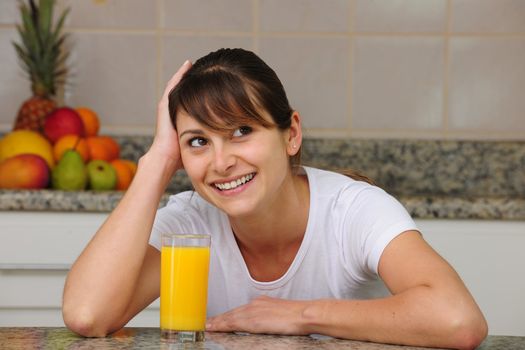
x=417 y=69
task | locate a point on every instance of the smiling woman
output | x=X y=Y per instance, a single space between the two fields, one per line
x=296 y=250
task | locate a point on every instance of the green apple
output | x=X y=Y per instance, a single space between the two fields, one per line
x=102 y=176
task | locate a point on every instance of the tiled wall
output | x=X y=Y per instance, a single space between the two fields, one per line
x=354 y=68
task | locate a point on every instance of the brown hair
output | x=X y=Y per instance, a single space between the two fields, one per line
x=356 y=175
x=229 y=88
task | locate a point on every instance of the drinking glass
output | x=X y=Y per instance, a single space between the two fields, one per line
x=185 y=260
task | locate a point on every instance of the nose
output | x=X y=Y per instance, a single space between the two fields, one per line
x=223 y=158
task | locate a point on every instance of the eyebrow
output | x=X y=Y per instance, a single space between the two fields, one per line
x=192 y=131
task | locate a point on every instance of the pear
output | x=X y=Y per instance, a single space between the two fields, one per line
x=70 y=173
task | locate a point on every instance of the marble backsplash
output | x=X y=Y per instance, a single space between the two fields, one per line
x=405 y=167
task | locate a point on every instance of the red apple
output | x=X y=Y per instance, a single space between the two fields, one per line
x=24 y=171
x=63 y=121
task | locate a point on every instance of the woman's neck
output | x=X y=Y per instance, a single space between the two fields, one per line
x=270 y=239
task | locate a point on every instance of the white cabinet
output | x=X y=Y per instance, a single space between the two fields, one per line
x=490 y=258
x=36 y=251
x=37 y=248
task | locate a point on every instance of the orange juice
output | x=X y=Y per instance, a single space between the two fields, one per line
x=184 y=288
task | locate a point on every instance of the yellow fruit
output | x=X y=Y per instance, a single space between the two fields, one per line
x=26 y=141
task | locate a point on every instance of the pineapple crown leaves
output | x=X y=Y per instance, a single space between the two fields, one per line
x=41 y=50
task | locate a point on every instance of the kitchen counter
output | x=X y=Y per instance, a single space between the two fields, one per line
x=433 y=179
x=420 y=207
x=149 y=338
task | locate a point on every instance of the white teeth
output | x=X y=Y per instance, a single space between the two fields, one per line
x=235 y=183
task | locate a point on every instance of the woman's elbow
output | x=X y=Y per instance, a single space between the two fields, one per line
x=468 y=330
x=82 y=322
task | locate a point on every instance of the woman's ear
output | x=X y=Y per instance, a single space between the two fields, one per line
x=295 y=135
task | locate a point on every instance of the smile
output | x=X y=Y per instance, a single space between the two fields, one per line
x=235 y=183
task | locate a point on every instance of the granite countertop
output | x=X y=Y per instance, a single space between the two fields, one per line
x=420 y=207
x=149 y=338
x=433 y=179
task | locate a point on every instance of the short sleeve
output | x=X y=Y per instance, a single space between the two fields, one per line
x=373 y=219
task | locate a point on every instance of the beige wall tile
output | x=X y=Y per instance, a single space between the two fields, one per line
x=314 y=72
x=133 y=14
x=304 y=15
x=226 y=15
x=15 y=87
x=9 y=13
x=177 y=49
x=400 y=15
x=125 y=51
x=492 y=16
x=486 y=84
x=115 y=74
x=397 y=83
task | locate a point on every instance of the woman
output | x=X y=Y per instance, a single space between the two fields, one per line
x=296 y=250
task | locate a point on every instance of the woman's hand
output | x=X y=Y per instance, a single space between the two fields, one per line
x=262 y=315
x=166 y=141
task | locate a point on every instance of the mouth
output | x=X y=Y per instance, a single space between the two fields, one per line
x=230 y=185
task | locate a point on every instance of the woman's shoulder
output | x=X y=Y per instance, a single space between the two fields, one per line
x=340 y=193
x=332 y=182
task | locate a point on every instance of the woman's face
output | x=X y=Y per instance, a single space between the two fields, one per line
x=241 y=172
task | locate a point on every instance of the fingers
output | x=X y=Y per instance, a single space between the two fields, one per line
x=177 y=77
x=244 y=318
x=233 y=320
x=262 y=315
x=221 y=323
x=163 y=120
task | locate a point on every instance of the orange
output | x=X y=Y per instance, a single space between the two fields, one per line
x=132 y=165
x=103 y=147
x=124 y=174
x=90 y=120
x=112 y=145
x=68 y=142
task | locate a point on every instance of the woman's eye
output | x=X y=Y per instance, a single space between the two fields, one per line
x=197 y=142
x=243 y=130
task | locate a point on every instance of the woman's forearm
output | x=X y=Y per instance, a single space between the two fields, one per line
x=419 y=317
x=102 y=281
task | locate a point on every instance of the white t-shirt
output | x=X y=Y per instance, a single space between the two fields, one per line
x=349 y=225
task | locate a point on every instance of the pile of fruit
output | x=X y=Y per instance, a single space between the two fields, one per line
x=68 y=155
x=52 y=146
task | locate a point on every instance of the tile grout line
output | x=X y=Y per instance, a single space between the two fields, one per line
x=256 y=29
x=256 y=26
x=350 y=38
x=446 y=70
x=160 y=47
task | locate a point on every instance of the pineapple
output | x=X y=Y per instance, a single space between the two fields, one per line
x=42 y=56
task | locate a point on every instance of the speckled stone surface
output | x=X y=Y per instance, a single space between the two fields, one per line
x=408 y=167
x=420 y=207
x=53 y=200
x=149 y=338
x=433 y=179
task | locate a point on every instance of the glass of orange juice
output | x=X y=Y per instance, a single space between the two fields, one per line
x=185 y=260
